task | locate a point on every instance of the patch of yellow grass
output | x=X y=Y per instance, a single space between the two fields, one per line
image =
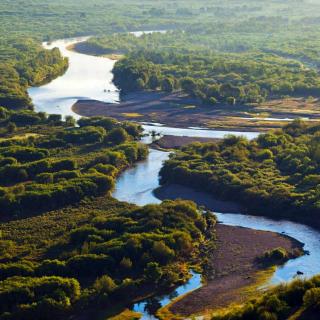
x=132 y=115
x=20 y=137
x=114 y=56
x=247 y=292
x=127 y=315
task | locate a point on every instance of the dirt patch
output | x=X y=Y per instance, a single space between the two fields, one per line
x=234 y=267
x=175 y=142
x=180 y=110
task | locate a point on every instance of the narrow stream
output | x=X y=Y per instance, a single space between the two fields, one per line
x=91 y=77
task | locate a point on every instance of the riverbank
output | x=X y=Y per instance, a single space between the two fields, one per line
x=234 y=274
x=168 y=142
x=180 y=110
x=80 y=47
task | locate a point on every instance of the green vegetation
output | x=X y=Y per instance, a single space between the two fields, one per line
x=224 y=78
x=98 y=253
x=299 y=300
x=254 y=48
x=277 y=256
x=24 y=63
x=231 y=54
x=68 y=246
x=276 y=174
x=62 y=165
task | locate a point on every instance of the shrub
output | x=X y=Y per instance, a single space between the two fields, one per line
x=36 y=297
x=275 y=256
x=16 y=269
x=89 y=265
x=162 y=253
x=117 y=136
x=51 y=268
x=311 y=298
x=153 y=272
x=104 y=284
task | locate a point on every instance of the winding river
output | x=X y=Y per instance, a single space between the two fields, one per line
x=90 y=77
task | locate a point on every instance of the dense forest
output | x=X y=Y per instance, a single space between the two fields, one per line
x=235 y=61
x=98 y=256
x=276 y=174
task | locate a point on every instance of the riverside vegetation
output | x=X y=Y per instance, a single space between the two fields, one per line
x=276 y=174
x=251 y=76
x=57 y=260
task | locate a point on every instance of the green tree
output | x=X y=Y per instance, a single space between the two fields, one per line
x=117 y=136
x=167 y=84
x=153 y=272
x=104 y=284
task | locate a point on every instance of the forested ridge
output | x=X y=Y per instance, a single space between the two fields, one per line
x=276 y=174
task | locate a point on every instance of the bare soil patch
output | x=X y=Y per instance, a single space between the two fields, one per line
x=175 y=142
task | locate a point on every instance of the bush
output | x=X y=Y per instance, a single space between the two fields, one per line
x=311 y=298
x=16 y=269
x=104 y=285
x=162 y=253
x=84 y=135
x=65 y=174
x=32 y=296
x=275 y=256
x=89 y=265
x=153 y=272
x=51 y=268
x=117 y=136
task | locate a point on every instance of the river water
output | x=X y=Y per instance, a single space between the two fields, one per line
x=90 y=77
x=87 y=77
